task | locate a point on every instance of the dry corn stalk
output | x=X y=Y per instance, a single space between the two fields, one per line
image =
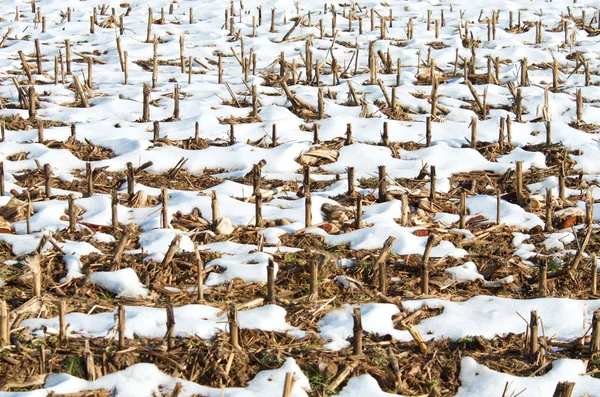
x=417 y=337
x=34 y=271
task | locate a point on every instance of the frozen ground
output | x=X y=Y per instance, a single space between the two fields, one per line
x=113 y=121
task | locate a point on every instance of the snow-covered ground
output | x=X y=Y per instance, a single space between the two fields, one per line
x=112 y=122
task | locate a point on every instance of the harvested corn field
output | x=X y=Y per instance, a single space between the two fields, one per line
x=277 y=198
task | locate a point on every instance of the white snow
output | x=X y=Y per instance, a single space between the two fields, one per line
x=199 y=320
x=465 y=272
x=478 y=380
x=124 y=282
x=111 y=122
x=376 y=318
x=510 y=214
x=489 y=316
x=141 y=380
x=364 y=385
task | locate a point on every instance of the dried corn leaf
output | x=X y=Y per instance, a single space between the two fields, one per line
x=14 y=210
x=420 y=217
x=535 y=201
x=569 y=217
x=78 y=211
x=110 y=22
x=334 y=213
x=141 y=199
x=193 y=223
x=428 y=206
x=330 y=228
x=5 y=226
x=318 y=157
x=224 y=226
